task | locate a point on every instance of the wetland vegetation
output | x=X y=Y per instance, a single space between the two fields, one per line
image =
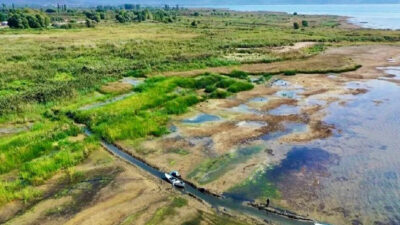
x=56 y=62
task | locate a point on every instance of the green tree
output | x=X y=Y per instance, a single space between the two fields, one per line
x=304 y=23
x=3 y=17
x=90 y=23
x=296 y=25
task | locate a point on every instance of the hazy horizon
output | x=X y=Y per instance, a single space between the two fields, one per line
x=196 y=3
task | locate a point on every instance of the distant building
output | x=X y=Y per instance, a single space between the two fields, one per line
x=4 y=23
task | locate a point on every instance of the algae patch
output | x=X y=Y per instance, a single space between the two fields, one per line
x=212 y=169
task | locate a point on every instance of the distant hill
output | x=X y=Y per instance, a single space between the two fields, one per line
x=188 y=2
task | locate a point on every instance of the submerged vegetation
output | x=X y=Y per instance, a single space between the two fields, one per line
x=212 y=169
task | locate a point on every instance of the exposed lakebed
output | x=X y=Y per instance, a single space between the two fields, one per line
x=326 y=152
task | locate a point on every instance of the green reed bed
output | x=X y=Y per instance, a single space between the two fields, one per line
x=30 y=158
x=147 y=112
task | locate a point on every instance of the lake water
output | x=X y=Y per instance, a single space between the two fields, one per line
x=377 y=16
x=352 y=175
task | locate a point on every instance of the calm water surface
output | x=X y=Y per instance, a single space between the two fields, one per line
x=353 y=174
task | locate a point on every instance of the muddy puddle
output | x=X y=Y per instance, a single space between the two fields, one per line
x=292 y=94
x=259 y=100
x=202 y=118
x=393 y=72
x=244 y=108
x=285 y=110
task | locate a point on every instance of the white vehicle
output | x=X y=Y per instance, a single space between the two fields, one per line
x=174 y=181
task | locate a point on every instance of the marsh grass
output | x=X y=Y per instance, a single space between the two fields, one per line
x=36 y=155
x=48 y=65
x=147 y=112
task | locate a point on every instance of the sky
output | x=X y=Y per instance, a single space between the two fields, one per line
x=188 y=2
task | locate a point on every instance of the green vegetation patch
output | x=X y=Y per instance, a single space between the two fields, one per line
x=167 y=211
x=147 y=112
x=38 y=154
x=212 y=169
x=258 y=186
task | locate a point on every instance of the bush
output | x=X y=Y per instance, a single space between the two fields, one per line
x=225 y=83
x=240 y=86
x=24 y=20
x=210 y=88
x=304 y=23
x=296 y=25
x=136 y=73
x=238 y=74
x=207 y=80
x=289 y=72
x=90 y=23
x=219 y=94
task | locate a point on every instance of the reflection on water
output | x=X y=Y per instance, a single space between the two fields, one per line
x=369 y=142
x=289 y=127
x=289 y=93
x=255 y=124
x=202 y=118
x=106 y=102
x=393 y=71
x=130 y=80
x=352 y=176
x=285 y=110
x=280 y=83
x=243 y=108
x=364 y=185
x=259 y=100
x=133 y=81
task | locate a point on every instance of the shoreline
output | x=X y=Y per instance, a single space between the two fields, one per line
x=301 y=10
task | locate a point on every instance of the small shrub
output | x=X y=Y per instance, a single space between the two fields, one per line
x=210 y=88
x=136 y=73
x=240 y=86
x=219 y=94
x=289 y=72
x=225 y=83
x=296 y=25
x=238 y=74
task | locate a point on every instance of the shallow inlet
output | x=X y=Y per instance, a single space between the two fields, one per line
x=214 y=201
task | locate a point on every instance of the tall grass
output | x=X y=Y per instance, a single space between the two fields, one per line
x=38 y=154
x=147 y=112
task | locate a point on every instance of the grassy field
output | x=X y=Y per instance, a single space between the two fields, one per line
x=47 y=75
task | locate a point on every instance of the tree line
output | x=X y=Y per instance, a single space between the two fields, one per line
x=24 y=19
